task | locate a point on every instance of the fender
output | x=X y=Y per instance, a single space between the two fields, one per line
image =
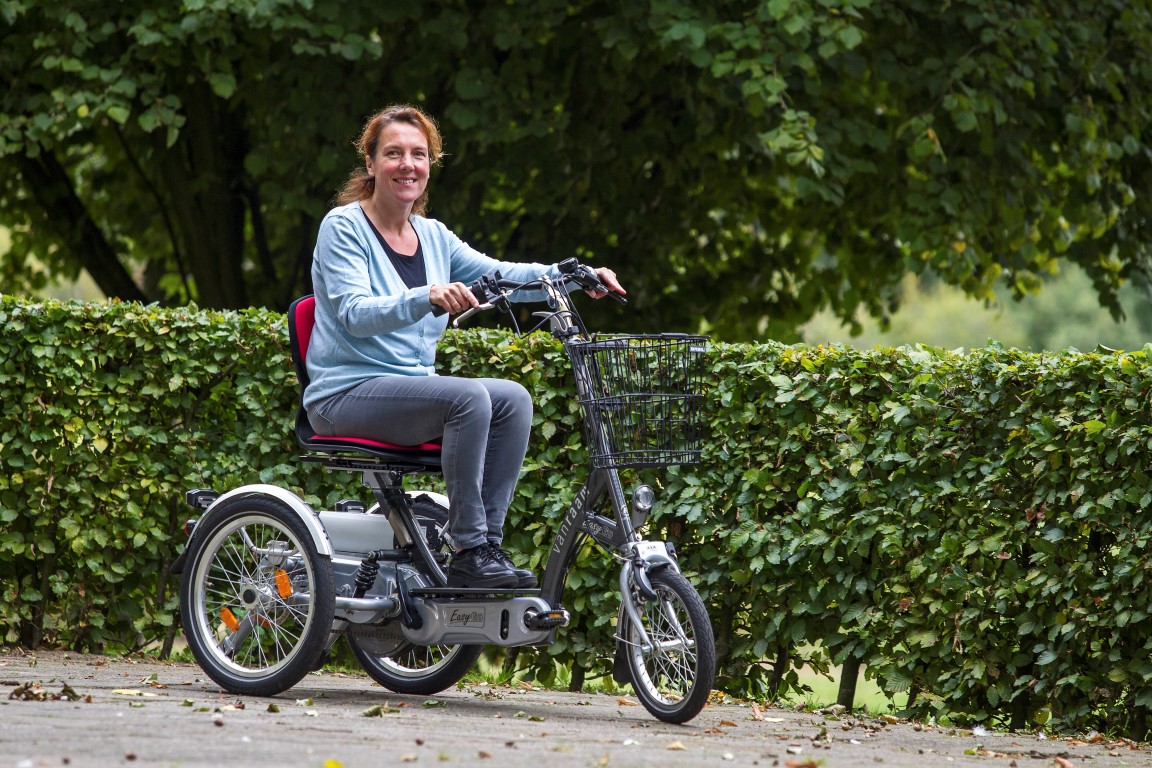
x=306 y=514
x=439 y=498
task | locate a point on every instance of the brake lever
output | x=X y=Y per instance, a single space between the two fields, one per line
x=586 y=278
x=468 y=313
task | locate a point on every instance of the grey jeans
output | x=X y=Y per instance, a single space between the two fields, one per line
x=484 y=425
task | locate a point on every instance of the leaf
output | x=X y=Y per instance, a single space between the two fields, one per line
x=378 y=710
x=223 y=84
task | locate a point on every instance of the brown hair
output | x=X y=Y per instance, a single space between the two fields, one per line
x=360 y=185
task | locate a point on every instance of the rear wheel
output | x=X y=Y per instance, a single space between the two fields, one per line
x=673 y=675
x=256 y=597
x=412 y=669
x=415 y=669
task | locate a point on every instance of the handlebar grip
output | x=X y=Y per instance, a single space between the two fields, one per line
x=438 y=310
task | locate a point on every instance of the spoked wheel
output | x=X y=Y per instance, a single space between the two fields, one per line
x=256 y=597
x=414 y=669
x=674 y=674
x=418 y=670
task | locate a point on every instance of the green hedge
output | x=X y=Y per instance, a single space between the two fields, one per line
x=969 y=527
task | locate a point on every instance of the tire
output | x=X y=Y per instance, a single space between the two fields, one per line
x=414 y=669
x=674 y=679
x=411 y=669
x=256 y=597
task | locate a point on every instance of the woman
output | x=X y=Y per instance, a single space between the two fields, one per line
x=379 y=270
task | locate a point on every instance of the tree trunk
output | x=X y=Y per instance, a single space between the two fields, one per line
x=66 y=215
x=849 y=674
x=203 y=173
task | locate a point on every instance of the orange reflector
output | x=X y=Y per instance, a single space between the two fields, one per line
x=283 y=585
x=229 y=619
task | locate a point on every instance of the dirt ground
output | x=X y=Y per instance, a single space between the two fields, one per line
x=63 y=709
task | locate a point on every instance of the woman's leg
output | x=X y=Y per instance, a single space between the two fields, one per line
x=483 y=424
x=508 y=434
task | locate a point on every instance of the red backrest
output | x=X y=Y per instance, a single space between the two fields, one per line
x=301 y=321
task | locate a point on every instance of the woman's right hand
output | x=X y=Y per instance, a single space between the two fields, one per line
x=453 y=298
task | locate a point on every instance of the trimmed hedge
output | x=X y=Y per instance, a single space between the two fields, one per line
x=969 y=527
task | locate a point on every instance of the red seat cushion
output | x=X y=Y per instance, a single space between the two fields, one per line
x=360 y=441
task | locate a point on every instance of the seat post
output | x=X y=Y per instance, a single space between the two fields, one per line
x=388 y=488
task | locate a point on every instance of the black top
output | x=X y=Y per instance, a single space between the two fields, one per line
x=410 y=268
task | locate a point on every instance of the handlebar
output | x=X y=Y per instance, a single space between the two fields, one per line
x=586 y=278
x=492 y=288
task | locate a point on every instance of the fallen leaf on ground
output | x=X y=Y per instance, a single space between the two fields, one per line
x=378 y=711
x=626 y=703
x=677 y=746
x=34 y=692
x=1060 y=761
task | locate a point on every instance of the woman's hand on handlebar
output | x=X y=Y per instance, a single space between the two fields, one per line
x=608 y=278
x=452 y=298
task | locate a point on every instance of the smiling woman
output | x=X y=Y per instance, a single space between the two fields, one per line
x=385 y=277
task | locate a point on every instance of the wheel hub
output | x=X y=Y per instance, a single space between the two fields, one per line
x=253 y=595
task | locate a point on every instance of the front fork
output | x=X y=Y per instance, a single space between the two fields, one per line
x=634 y=572
x=616 y=534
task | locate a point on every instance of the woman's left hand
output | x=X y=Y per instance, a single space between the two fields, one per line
x=608 y=277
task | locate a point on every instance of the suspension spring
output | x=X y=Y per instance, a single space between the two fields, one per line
x=366 y=575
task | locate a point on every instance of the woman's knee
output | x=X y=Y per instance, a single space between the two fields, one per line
x=509 y=397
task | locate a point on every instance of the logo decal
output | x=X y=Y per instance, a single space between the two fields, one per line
x=471 y=618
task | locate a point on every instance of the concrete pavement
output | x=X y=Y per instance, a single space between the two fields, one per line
x=66 y=709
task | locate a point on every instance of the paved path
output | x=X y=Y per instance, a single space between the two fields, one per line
x=60 y=709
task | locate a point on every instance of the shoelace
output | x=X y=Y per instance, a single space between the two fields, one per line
x=500 y=555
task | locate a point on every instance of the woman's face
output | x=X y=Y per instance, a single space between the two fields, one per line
x=401 y=165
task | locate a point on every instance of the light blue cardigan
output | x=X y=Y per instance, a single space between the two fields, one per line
x=368 y=323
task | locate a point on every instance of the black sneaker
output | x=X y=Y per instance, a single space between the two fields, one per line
x=478 y=567
x=525 y=579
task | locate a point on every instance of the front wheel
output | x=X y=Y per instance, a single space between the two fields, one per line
x=256 y=597
x=673 y=675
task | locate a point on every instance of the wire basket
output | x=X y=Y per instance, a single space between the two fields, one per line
x=641 y=397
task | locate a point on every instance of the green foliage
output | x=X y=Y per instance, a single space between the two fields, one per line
x=1065 y=314
x=971 y=527
x=112 y=412
x=746 y=162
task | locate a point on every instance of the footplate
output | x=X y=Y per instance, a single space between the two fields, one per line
x=480 y=620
